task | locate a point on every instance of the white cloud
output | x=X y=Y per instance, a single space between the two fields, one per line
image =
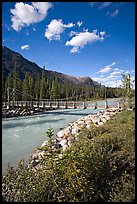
x=105 y=4
x=79 y=23
x=115 y=13
x=108 y=81
x=116 y=69
x=24 y=14
x=55 y=28
x=107 y=68
x=74 y=50
x=25 y=47
x=34 y=29
x=112 y=77
x=72 y=33
x=114 y=73
x=83 y=38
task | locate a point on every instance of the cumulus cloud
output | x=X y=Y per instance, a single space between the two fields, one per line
x=25 y=14
x=25 y=47
x=83 y=38
x=108 y=81
x=79 y=23
x=55 y=28
x=107 y=68
x=74 y=50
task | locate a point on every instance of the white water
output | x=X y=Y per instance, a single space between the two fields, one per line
x=21 y=136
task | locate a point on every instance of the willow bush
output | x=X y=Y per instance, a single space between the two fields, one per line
x=96 y=168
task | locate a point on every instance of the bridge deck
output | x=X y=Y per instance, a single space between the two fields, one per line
x=53 y=104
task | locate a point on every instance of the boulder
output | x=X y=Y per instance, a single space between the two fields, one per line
x=103 y=120
x=96 y=120
x=107 y=117
x=69 y=143
x=60 y=133
x=100 y=123
x=60 y=156
x=59 y=139
x=70 y=138
x=63 y=142
x=88 y=126
x=74 y=130
x=35 y=156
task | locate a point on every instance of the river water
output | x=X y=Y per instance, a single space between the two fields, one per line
x=21 y=135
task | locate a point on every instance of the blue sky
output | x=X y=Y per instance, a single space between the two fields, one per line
x=95 y=39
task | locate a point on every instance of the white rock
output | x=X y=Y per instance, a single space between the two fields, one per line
x=107 y=117
x=96 y=120
x=74 y=131
x=60 y=133
x=60 y=156
x=88 y=126
x=63 y=142
x=70 y=138
x=69 y=143
x=76 y=138
x=100 y=123
x=103 y=120
x=81 y=122
x=59 y=139
x=35 y=156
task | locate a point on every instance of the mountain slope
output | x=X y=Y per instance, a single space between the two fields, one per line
x=9 y=58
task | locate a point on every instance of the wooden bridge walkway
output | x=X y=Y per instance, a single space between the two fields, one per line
x=53 y=104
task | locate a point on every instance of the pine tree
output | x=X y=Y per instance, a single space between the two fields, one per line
x=42 y=85
x=26 y=87
x=8 y=84
x=3 y=89
x=37 y=87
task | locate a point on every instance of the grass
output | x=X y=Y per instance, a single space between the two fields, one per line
x=100 y=167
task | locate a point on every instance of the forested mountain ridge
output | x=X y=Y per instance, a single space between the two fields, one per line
x=10 y=58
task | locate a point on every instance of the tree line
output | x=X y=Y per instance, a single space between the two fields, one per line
x=43 y=88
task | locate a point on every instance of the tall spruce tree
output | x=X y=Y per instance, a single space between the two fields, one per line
x=26 y=87
x=42 y=85
x=37 y=87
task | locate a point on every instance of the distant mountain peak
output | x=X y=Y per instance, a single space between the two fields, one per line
x=9 y=57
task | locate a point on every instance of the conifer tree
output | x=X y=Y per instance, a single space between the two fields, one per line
x=37 y=87
x=42 y=85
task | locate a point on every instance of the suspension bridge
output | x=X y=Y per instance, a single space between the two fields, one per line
x=44 y=104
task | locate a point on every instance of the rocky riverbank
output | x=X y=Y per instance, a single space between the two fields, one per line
x=16 y=112
x=65 y=137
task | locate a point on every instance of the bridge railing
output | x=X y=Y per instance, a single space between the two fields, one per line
x=61 y=104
